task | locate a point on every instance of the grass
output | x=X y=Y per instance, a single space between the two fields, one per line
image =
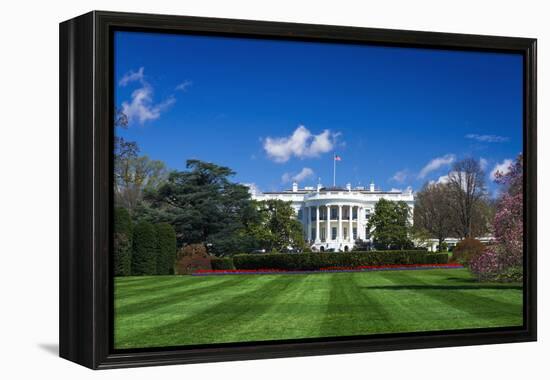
x=183 y=310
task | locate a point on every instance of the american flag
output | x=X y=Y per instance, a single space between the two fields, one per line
x=337 y=158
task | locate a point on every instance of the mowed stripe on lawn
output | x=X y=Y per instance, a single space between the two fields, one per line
x=451 y=305
x=196 y=315
x=296 y=312
x=185 y=310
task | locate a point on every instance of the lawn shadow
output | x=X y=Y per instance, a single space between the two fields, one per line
x=442 y=287
x=462 y=279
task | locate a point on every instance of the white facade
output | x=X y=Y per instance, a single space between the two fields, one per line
x=333 y=217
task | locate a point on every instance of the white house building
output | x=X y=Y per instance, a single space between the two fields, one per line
x=334 y=217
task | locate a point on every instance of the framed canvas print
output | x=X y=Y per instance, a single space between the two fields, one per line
x=238 y=189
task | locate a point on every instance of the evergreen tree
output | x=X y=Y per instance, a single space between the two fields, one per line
x=122 y=242
x=166 y=248
x=204 y=206
x=390 y=225
x=144 y=255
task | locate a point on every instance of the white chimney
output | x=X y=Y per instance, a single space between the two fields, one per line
x=372 y=186
x=348 y=186
x=319 y=187
x=294 y=187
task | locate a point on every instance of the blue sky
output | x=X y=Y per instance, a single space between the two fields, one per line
x=275 y=111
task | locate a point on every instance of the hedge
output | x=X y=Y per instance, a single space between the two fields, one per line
x=144 y=255
x=221 y=263
x=122 y=242
x=166 y=248
x=315 y=261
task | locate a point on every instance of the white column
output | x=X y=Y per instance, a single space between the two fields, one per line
x=305 y=222
x=317 y=230
x=340 y=231
x=328 y=224
x=360 y=216
x=350 y=228
x=308 y=223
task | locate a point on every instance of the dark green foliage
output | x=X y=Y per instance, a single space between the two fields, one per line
x=204 y=206
x=437 y=258
x=220 y=263
x=166 y=248
x=275 y=227
x=390 y=225
x=315 y=261
x=144 y=255
x=122 y=242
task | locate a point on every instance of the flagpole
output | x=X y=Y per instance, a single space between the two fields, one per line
x=334 y=171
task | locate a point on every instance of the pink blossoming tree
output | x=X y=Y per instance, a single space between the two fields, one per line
x=503 y=260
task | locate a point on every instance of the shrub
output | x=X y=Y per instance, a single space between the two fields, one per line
x=489 y=266
x=144 y=255
x=437 y=258
x=166 y=248
x=444 y=247
x=315 y=261
x=191 y=258
x=221 y=263
x=466 y=250
x=511 y=274
x=122 y=242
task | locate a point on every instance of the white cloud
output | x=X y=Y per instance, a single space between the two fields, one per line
x=436 y=163
x=503 y=168
x=444 y=178
x=183 y=86
x=304 y=174
x=131 y=76
x=487 y=138
x=400 y=176
x=483 y=163
x=301 y=144
x=141 y=107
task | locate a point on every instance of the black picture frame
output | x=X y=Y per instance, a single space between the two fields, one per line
x=86 y=134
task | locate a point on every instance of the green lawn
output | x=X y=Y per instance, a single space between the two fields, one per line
x=180 y=310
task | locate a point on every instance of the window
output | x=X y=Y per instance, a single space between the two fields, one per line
x=334 y=232
x=300 y=214
x=333 y=213
x=323 y=233
x=354 y=233
x=345 y=233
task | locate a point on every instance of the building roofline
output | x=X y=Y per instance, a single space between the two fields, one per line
x=329 y=191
